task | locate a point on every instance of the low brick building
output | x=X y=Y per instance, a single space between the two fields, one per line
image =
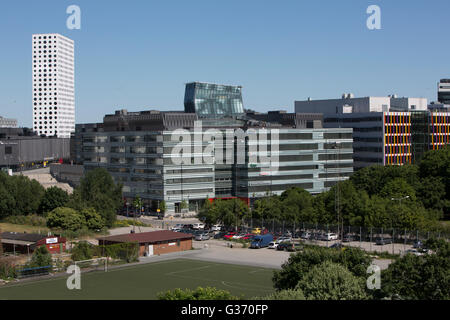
x=154 y=242
x=27 y=242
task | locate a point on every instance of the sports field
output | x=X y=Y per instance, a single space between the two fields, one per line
x=144 y=281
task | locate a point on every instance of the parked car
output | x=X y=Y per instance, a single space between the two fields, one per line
x=306 y=235
x=216 y=227
x=349 y=238
x=248 y=236
x=220 y=235
x=417 y=244
x=229 y=235
x=283 y=239
x=414 y=252
x=383 y=241
x=238 y=236
x=188 y=226
x=272 y=245
x=177 y=226
x=261 y=241
x=256 y=230
x=284 y=246
x=198 y=226
x=329 y=236
x=200 y=236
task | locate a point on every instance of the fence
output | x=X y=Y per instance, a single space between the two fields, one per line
x=35 y=271
x=355 y=233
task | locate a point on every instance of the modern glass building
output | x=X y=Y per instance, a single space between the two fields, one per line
x=141 y=149
x=209 y=100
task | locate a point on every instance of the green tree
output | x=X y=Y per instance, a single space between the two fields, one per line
x=98 y=190
x=418 y=277
x=208 y=293
x=54 y=197
x=207 y=214
x=7 y=202
x=331 y=281
x=299 y=263
x=66 y=219
x=82 y=251
x=41 y=257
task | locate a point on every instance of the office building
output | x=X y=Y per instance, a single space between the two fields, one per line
x=138 y=149
x=444 y=91
x=21 y=148
x=8 y=123
x=209 y=100
x=386 y=130
x=53 y=85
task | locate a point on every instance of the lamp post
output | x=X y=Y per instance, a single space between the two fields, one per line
x=340 y=231
x=400 y=200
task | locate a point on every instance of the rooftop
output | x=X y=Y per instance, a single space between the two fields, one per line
x=148 y=237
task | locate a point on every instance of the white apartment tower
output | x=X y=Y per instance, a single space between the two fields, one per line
x=53 y=85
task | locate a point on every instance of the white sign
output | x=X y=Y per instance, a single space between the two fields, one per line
x=51 y=240
x=172 y=244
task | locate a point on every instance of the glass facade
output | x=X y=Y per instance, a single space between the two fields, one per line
x=213 y=100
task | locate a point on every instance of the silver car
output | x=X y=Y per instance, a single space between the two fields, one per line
x=200 y=236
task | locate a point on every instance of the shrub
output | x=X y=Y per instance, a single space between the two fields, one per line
x=82 y=251
x=66 y=219
x=127 y=251
x=208 y=293
x=289 y=294
x=41 y=257
x=299 y=263
x=7 y=267
x=331 y=281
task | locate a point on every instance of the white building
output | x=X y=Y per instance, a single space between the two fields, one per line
x=53 y=85
x=382 y=126
x=350 y=104
x=8 y=123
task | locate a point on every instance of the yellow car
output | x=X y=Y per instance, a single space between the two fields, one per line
x=256 y=230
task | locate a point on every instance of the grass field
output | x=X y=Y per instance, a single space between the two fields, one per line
x=146 y=280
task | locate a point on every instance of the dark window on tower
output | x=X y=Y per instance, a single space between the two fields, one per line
x=8 y=150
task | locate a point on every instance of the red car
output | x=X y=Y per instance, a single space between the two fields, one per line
x=229 y=235
x=248 y=236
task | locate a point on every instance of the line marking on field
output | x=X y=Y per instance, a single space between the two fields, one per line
x=186 y=270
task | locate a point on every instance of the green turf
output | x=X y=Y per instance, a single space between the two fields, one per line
x=146 y=280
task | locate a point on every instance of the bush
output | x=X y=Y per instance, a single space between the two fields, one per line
x=288 y=294
x=208 y=293
x=82 y=251
x=66 y=219
x=41 y=257
x=94 y=221
x=7 y=267
x=331 y=281
x=300 y=263
x=419 y=277
x=127 y=251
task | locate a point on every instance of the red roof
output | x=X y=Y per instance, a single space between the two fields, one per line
x=148 y=237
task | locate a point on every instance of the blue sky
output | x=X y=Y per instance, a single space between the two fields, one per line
x=139 y=54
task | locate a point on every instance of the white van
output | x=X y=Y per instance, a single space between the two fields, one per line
x=198 y=226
